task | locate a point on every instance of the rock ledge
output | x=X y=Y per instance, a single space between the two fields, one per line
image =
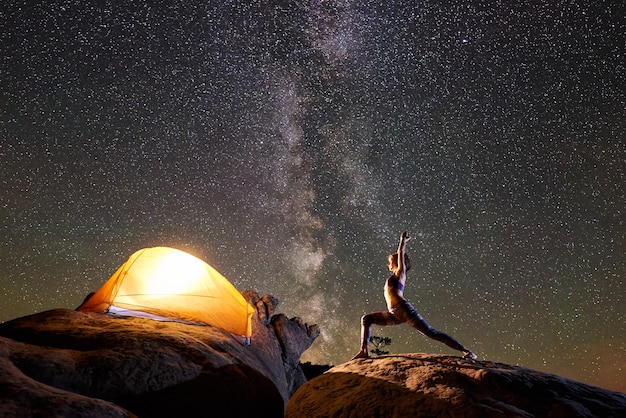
x=426 y=385
x=74 y=364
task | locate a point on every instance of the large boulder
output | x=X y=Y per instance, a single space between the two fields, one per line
x=425 y=385
x=68 y=363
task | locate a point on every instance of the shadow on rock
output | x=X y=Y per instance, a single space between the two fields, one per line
x=230 y=391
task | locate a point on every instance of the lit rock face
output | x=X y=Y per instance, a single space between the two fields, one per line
x=426 y=385
x=73 y=364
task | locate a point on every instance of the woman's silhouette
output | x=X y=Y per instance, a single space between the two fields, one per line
x=399 y=309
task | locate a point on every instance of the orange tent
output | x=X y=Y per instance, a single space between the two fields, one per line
x=171 y=283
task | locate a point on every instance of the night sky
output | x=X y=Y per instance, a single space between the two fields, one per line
x=288 y=143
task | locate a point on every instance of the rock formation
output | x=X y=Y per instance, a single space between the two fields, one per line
x=73 y=364
x=422 y=385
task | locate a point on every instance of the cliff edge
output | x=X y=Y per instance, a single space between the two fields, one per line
x=74 y=364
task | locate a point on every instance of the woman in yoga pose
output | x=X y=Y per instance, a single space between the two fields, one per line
x=400 y=310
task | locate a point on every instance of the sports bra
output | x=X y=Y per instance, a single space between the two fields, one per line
x=393 y=282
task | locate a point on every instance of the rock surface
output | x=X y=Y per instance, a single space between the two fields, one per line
x=73 y=364
x=422 y=385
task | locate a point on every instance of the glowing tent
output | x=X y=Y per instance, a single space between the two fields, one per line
x=170 y=283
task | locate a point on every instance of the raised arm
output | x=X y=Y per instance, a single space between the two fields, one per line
x=404 y=237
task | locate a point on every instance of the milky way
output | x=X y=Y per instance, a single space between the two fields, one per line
x=289 y=143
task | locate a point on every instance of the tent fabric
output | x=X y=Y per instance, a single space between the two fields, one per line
x=168 y=282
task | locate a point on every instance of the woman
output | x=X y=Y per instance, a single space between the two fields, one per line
x=400 y=310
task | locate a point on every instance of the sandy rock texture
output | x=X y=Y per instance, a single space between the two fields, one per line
x=427 y=385
x=73 y=364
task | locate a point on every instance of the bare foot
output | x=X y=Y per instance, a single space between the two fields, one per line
x=361 y=354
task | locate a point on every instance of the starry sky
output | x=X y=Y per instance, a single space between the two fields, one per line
x=288 y=143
